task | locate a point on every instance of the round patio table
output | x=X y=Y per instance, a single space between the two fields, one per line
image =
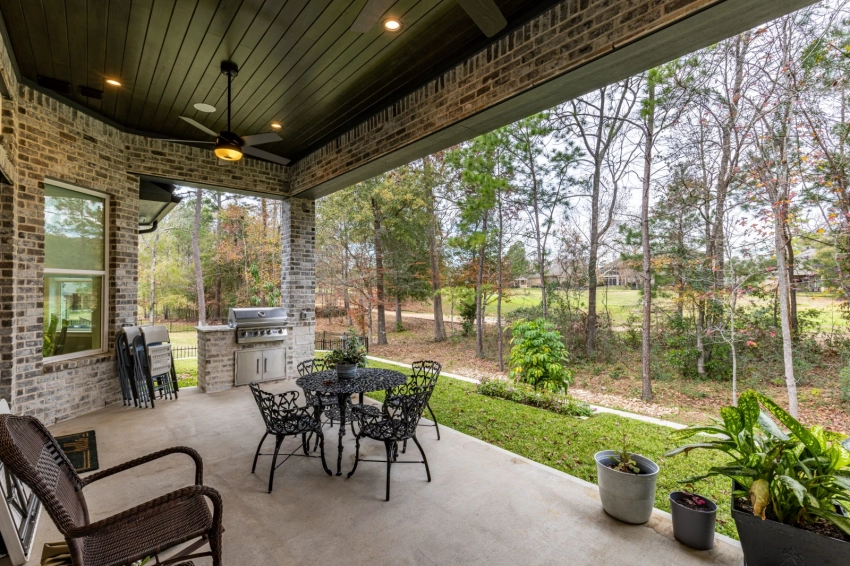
x=368 y=379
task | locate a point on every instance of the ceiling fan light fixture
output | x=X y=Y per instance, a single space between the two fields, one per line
x=392 y=24
x=276 y=125
x=229 y=150
x=113 y=82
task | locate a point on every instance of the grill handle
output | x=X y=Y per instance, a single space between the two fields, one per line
x=265 y=365
x=258 y=367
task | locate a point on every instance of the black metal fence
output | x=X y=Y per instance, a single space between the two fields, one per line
x=332 y=341
x=184 y=352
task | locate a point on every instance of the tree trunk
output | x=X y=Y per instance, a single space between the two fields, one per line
x=479 y=295
x=379 y=275
x=153 y=278
x=434 y=254
x=700 y=336
x=784 y=312
x=732 y=345
x=646 y=388
x=792 y=285
x=398 y=324
x=196 y=252
x=499 y=341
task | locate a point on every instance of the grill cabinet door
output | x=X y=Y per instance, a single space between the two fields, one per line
x=249 y=366
x=274 y=364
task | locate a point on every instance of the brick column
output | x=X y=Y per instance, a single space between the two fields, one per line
x=298 y=288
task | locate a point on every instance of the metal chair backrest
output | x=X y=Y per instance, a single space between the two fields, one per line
x=274 y=408
x=311 y=366
x=403 y=409
x=426 y=368
x=155 y=335
x=30 y=452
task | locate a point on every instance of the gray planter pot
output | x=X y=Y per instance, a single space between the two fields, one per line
x=346 y=371
x=627 y=497
x=694 y=528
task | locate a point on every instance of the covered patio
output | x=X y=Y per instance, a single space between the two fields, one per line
x=92 y=100
x=483 y=506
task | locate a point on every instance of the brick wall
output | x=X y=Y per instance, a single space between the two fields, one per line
x=562 y=39
x=44 y=139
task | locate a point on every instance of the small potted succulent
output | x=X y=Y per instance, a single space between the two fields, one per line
x=349 y=357
x=790 y=484
x=626 y=484
x=694 y=517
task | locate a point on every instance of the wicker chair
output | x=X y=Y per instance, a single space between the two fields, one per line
x=397 y=421
x=32 y=454
x=284 y=418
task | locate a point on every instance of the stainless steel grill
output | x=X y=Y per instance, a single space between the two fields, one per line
x=258 y=325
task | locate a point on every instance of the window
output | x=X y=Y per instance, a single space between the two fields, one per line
x=74 y=271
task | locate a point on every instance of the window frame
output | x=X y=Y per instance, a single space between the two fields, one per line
x=104 y=275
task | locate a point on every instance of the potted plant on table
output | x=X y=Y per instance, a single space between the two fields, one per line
x=626 y=484
x=694 y=518
x=347 y=358
x=790 y=489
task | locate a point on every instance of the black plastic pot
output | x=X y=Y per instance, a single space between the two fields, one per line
x=694 y=528
x=769 y=543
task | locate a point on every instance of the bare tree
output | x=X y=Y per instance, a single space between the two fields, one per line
x=196 y=254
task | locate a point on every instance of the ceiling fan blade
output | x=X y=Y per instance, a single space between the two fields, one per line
x=370 y=14
x=248 y=150
x=183 y=141
x=258 y=139
x=485 y=14
x=199 y=126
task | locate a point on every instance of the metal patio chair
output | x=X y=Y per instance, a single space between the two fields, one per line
x=429 y=371
x=33 y=455
x=283 y=417
x=396 y=422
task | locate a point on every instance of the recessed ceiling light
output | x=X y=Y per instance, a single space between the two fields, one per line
x=392 y=24
x=201 y=107
x=113 y=82
x=276 y=125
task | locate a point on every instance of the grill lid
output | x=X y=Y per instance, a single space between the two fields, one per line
x=256 y=317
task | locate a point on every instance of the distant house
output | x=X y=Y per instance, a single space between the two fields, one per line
x=805 y=278
x=619 y=273
x=554 y=274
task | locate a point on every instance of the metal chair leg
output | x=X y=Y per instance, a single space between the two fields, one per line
x=424 y=459
x=304 y=445
x=320 y=437
x=433 y=418
x=254 y=467
x=356 y=456
x=389 y=447
x=278 y=442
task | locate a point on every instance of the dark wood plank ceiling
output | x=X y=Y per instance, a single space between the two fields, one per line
x=299 y=63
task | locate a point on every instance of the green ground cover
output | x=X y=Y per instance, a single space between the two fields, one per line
x=622 y=303
x=187 y=372
x=568 y=444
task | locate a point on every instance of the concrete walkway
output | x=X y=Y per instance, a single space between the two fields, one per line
x=484 y=505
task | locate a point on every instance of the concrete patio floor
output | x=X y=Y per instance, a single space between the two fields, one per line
x=484 y=505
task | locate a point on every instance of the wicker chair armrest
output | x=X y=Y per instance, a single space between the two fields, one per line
x=124 y=516
x=199 y=464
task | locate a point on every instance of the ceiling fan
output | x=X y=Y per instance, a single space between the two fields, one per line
x=485 y=14
x=229 y=146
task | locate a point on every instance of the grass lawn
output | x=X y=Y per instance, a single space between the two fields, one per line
x=189 y=338
x=568 y=444
x=187 y=372
x=624 y=302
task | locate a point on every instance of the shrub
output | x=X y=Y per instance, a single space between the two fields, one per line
x=538 y=355
x=526 y=395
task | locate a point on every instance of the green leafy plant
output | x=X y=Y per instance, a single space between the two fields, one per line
x=797 y=478
x=352 y=351
x=624 y=461
x=538 y=355
x=527 y=395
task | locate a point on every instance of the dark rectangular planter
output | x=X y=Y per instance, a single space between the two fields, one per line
x=769 y=543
